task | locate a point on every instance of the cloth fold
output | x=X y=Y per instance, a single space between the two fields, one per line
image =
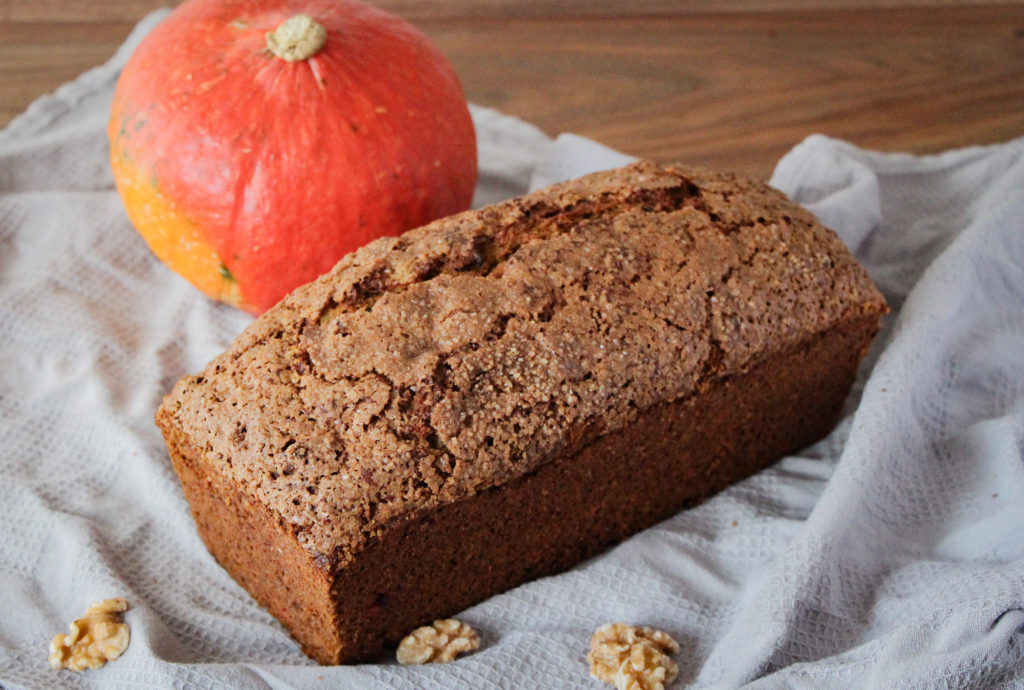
x=887 y=555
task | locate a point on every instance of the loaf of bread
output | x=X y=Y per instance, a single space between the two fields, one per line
x=504 y=392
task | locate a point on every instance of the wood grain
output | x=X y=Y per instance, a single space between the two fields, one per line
x=732 y=85
x=417 y=10
x=736 y=92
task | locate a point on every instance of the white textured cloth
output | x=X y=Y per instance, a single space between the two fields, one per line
x=889 y=555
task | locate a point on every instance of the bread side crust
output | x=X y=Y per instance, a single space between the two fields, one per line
x=435 y=563
x=256 y=547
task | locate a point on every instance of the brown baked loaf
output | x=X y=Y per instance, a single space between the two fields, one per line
x=499 y=394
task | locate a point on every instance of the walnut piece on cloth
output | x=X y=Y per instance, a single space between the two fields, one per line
x=99 y=636
x=632 y=657
x=438 y=643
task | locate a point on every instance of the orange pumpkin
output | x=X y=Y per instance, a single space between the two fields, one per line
x=255 y=142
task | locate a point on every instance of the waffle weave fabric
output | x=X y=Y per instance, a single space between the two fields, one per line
x=888 y=555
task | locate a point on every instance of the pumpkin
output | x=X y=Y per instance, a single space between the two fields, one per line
x=255 y=142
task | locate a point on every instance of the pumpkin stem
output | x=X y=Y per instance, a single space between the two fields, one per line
x=298 y=38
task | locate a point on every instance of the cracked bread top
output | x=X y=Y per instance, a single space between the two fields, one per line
x=425 y=368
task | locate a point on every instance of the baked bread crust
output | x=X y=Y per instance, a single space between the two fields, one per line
x=462 y=397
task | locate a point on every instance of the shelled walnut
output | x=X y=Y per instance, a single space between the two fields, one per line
x=94 y=639
x=632 y=658
x=438 y=643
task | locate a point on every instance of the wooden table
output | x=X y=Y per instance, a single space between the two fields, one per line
x=731 y=84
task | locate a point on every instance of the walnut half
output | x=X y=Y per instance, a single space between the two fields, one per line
x=632 y=658
x=438 y=643
x=94 y=639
